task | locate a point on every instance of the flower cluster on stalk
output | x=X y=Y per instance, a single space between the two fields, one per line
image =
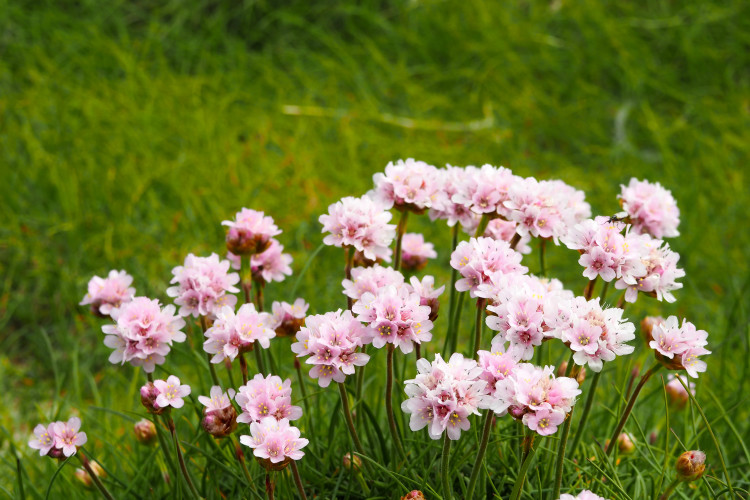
x=680 y=347
x=361 y=223
x=265 y=397
x=650 y=208
x=235 y=333
x=106 y=294
x=203 y=285
x=58 y=439
x=479 y=258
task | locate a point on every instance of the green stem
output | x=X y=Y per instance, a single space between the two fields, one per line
x=478 y=328
x=214 y=377
x=670 y=489
x=269 y=485
x=542 y=248
x=482 y=225
x=529 y=455
x=586 y=410
x=241 y=459
x=452 y=303
x=629 y=408
x=298 y=480
x=445 y=469
x=603 y=293
x=103 y=489
x=180 y=458
x=400 y=230
x=486 y=430
x=348 y=417
x=302 y=389
x=588 y=291
x=163 y=445
x=243 y=368
x=259 y=358
x=349 y=257
x=456 y=321
x=561 y=455
x=259 y=295
x=389 y=402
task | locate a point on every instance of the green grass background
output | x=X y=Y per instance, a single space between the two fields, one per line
x=130 y=129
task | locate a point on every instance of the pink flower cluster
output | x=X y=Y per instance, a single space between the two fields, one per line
x=361 y=223
x=679 y=348
x=407 y=185
x=639 y=263
x=143 y=333
x=105 y=294
x=203 y=286
x=501 y=229
x=250 y=232
x=583 y=495
x=485 y=190
x=428 y=294
x=58 y=439
x=415 y=251
x=234 y=333
x=156 y=396
x=450 y=181
x=533 y=394
x=275 y=441
x=497 y=364
x=444 y=394
x=271 y=264
x=481 y=257
x=289 y=318
x=651 y=208
x=265 y=397
x=370 y=279
x=395 y=315
x=332 y=341
x=219 y=416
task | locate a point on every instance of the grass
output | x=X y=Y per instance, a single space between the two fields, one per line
x=129 y=130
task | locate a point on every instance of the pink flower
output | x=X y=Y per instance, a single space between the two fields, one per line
x=485 y=190
x=67 y=437
x=496 y=365
x=395 y=315
x=105 y=294
x=480 y=257
x=332 y=341
x=44 y=439
x=265 y=397
x=679 y=348
x=250 y=232
x=450 y=181
x=271 y=264
x=232 y=334
x=171 y=392
x=275 y=440
x=360 y=223
x=428 y=294
x=143 y=333
x=443 y=395
x=219 y=416
x=543 y=421
x=406 y=184
x=218 y=399
x=289 y=318
x=651 y=208
x=584 y=495
x=370 y=279
x=203 y=286
x=415 y=252
x=500 y=229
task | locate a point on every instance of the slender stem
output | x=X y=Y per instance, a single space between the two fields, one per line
x=214 y=377
x=180 y=458
x=103 y=489
x=478 y=328
x=452 y=303
x=603 y=293
x=486 y=430
x=445 y=469
x=348 y=417
x=259 y=358
x=542 y=248
x=163 y=444
x=482 y=226
x=349 y=257
x=241 y=459
x=621 y=302
x=259 y=295
x=514 y=241
x=588 y=292
x=629 y=408
x=586 y=410
x=670 y=489
x=456 y=321
x=389 y=402
x=400 y=230
x=245 y=284
x=633 y=375
x=302 y=389
x=298 y=480
x=561 y=455
x=228 y=366
x=243 y=368
x=360 y=378
x=269 y=485
x=529 y=455
x=418 y=350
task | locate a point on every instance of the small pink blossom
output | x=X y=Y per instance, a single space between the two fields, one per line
x=479 y=258
x=583 y=495
x=105 y=294
x=203 y=285
x=234 y=333
x=370 y=279
x=219 y=416
x=415 y=251
x=651 y=208
x=265 y=397
x=428 y=294
x=501 y=229
x=485 y=190
x=289 y=318
x=67 y=437
x=361 y=223
x=44 y=439
x=275 y=440
x=171 y=392
x=679 y=348
x=543 y=421
x=450 y=181
x=271 y=264
x=408 y=184
x=250 y=232
x=218 y=399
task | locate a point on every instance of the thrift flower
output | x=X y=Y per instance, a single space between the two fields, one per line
x=479 y=258
x=691 y=465
x=289 y=318
x=406 y=185
x=584 y=495
x=145 y=431
x=271 y=264
x=676 y=393
x=44 y=439
x=415 y=251
x=265 y=397
x=370 y=279
x=361 y=223
x=250 y=232
x=219 y=416
x=679 y=348
x=450 y=181
x=171 y=392
x=651 y=208
x=234 y=333
x=203 y=286
x=428 y=294
x=105 y=294
x=67 y=437
x=274 y=442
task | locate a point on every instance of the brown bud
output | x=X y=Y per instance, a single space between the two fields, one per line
x=647 y=325
x=352 y=462
x=290 y=327
x=83 y=477
x=149 y=393
x=242 y=242
x=413 y=495
x=220 y=423
x=359 y=260
x=581 y=375
x=145 y=431
x=653 y=437
x=691 y=465
x=562 y=369
x=625 y=443
x=270 y=466
x=411 y=262
x=434 y=304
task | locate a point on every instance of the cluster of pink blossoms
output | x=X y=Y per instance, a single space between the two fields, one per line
x=497 y=364
x=449 y=180
x=271 y=264
x=501 y=229
x=265 y=397
x=444 y=394
x=275 y=441
x=250 y=232
x=370 y=279
x=332 y=341
x=58 y=439
x=428 y=294
x=219 y=416
x=289 y=318
x=156 y=396
x=680 y=347
x=415 y=251
x=651 y=208
x=584 y=495
x=234 y=333
x=395 y=315
x=479 y=258
x=533 y=395
x=485 y=190
x=361 y=223
x=203 y=286
x=143 y=333
x=639 y=263
x=105 y=294
x=406 y=185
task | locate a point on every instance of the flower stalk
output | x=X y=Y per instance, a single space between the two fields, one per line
x=445 y=468
x=180 y=458
x=389 y=403
x=486 y=431
x=349 y=420
x=94 y=477
x=298 y=480
x=400 y=230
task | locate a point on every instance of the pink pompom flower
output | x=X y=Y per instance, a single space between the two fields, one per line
x=428 y=294
x=370 y=279
x=265 y=397
x=250 y=232
x=485 y=190
x=584 y=495
x=361 y=223
x=651 y=208
x=679 y=347
x=274 y=442
x=289 y=318
x=406 y=185
x=234 y=333
x=219 y=416
x=105 y=294
x=480 y=257
x=271 y=264
x=415 y=251
x=67 y=437
x=451 y=181
x=203 y=285
x=171 y=392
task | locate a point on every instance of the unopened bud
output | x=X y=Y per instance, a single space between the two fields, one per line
x=83 y=477
x=676 y=394
x=413 y=495
x=145 y=431
x=243 y=242
x=271 y=466
x=289 y=327
x=653 y=437
x=359 y=260
x=517 y=412
x=352 y=462
x=647 y=325
x=220 y=423
x=581 y=375
x=691 y=465
x=625 y=443
x=434 y=304
x=149 y=393
x=562 y=369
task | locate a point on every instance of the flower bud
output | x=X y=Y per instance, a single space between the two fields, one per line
x=149 y=393
x=145 y=431
x=581 y=375
x=289 y=327
x=653 y=437
x=562 y=369
x=413 y=495
x=517 y=412
x=691 y=465
x=359 y=260
x=220 y=423
x=412 y=262
x=352 y=462
x=647 y=325
x=83 y=477
x=243 y=242
x=270 y=466
x=676 y=394
x=434 y=304
x=625 y=443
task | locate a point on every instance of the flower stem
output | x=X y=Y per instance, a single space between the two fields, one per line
x=486 y=430
x=452 y=303
x=246 y=284
x=542 y=266
x=400 y=230
x=259 y=358
x=389 y=403
x=241 y=459
x=214 y=377
x=180 y=458
x=561 y=455
x=586 y=410
x=482 y=226
x=103 y=489
x=302 y=389
x=603 y=293
x=588 y=292
x=478 y=328
x=456 y=321
x=629 y=408
x=529 y=451
x=670 y=489
x=349 y=257
x=514 y=241
x=348 y=417
x=298 y=480
x=445 y=469
x=243 y=368
x=259 y=296
x=269 y=485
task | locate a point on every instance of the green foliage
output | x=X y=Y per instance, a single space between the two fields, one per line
x=130 y=129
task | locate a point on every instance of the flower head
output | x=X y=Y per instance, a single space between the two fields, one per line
x=145 y=431
x=171 y=392
x=361 y=223
x=203 y=285
x=67 y=437
x=370 y=279
x=250 y=232
x=680 y=347
x=691 y=465
x=271 y=264
x=274 y=442
x=651 y=208
x=415 y=251
x=234 y=333
x=289 y=318
x=428 y=294
x=407 y=185
x=105 y=294
x=265 y=397
x=219 y=416
x=479 y=258
x=584 y=495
